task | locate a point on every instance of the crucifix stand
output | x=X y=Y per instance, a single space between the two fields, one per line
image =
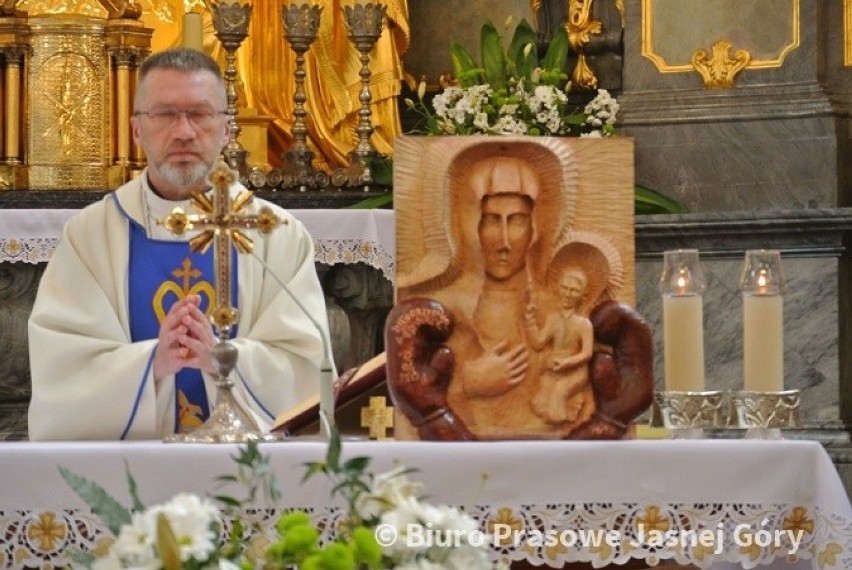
x=222 y=221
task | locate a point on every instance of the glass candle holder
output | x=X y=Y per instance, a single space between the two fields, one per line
x=762 y=285
x=682 y=286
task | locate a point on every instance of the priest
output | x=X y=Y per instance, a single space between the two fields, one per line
x=119 y=334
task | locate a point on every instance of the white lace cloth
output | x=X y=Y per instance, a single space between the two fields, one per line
x=340 y=236
x=653 y=499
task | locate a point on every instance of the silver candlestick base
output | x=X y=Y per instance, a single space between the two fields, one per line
x=687 y=414
x=764 y=414
x=227 y=423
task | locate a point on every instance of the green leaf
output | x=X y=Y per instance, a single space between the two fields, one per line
x=652 y=202
x=493 y=57
x=462 y=62
x=83 y=559
x=332 y=455
x=557 y=51
x=357 y=464
x=381 y=169
x=133 y=488
x=227 y=500
x=313 y=468
x=524 y=65
x=380 y=201
x=103 y=505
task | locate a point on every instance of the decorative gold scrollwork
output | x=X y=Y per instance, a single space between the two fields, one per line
x=581 y=27
x=718 y=71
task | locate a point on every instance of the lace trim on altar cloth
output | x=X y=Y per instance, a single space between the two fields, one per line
x=27 y=250
x=328 y=252
x=349 y=251
x=599 y=533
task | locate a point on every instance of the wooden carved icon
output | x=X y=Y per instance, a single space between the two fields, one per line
x=514 y=281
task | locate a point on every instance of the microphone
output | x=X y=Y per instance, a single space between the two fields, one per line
x=326 y=391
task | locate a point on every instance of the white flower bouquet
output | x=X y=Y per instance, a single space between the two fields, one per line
x=386 y=525
x=514 y=92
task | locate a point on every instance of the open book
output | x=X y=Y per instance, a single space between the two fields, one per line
x=348 y=388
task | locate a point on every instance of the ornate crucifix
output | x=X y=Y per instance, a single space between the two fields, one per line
x=222 y=221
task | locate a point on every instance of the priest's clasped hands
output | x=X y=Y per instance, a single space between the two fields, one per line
x=185 y=340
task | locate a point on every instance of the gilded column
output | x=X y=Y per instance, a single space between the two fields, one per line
x=14 y=56
x=137 y=155
x=128 y=42
x=122 y=59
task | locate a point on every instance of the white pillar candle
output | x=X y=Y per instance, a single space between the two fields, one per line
x=683 y=341
x=763 y=343
x=192 y=35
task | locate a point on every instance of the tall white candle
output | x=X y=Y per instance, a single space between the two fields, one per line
x=763 y=343
x=683 y=341
x=192 y=35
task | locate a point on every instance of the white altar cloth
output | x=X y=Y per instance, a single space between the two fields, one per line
x=734 y=487
x=340 y=236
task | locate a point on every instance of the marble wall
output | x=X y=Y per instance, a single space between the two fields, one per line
x=764 y=163
x=773 y=141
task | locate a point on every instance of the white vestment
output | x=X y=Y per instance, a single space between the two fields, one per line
x=89 y=381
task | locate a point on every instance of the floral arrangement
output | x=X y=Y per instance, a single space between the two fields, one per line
x=188 y=532
x=513 y=92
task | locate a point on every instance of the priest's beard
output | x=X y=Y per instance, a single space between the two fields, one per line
x=183 y=175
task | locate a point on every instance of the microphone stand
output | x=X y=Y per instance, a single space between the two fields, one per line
x=326 y=391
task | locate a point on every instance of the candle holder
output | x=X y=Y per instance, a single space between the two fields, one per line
x=231 y=22
x=682 y=286
x=764 y=414
x=364 y=24
x=301 y=23
x=684 y=407
x=687 y=414
x=762 y=285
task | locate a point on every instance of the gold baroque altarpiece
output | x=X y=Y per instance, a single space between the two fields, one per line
x=68 y=82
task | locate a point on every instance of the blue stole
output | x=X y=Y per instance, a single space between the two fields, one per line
x=160 y=273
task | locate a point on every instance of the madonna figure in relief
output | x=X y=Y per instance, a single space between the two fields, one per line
x=501 y=285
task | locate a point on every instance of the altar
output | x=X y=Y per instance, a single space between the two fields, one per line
x=745 y=496
x=349 y=243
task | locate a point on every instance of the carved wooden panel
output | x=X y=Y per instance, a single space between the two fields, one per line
x=520 y=239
